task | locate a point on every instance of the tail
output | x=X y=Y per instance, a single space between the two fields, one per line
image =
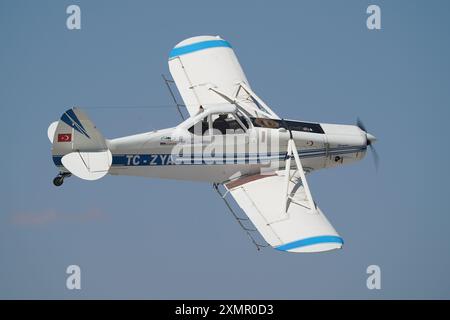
x=78 y=147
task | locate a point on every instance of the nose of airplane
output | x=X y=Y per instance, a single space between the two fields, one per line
x=370 y=138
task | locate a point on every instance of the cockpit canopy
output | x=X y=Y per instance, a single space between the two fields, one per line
x=226 y=119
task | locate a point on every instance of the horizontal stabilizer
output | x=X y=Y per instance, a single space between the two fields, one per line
x=88 y=165
x=51 y=131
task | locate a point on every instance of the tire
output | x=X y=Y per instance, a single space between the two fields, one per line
x=58 y=181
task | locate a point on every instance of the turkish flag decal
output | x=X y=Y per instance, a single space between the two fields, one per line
x=64 y=137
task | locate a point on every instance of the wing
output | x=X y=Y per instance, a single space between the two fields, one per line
x=294 y=227
x=207 y=72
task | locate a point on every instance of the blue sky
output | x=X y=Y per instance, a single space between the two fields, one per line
x=143 y=238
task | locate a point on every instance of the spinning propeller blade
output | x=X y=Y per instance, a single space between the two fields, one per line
x=371 y=139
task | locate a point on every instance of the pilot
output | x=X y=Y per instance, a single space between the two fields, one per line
x=221 y=124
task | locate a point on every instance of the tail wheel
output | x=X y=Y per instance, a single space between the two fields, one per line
x=58 y=181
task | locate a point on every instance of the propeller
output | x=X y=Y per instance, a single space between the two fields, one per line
x=370 y=140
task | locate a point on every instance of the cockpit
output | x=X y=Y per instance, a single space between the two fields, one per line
x=218 y=121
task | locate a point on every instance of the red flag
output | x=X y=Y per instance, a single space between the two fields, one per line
x=64 y=137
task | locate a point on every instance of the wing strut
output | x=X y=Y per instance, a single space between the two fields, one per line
x=239 y=219
x=292 y=151
x=261 y=110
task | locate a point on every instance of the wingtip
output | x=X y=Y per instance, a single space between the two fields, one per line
x=313 y=244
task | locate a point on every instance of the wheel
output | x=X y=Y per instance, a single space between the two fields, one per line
x=58 y=181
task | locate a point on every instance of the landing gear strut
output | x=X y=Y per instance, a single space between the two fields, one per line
x=59 y=179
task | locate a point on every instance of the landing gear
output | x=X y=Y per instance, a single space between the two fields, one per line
x=59 y=179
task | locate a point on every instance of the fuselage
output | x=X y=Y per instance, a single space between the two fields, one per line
x=176 y=153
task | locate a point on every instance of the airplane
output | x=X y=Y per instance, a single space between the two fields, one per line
x=231 y=139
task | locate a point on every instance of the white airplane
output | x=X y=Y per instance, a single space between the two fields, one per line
x=231 y=139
